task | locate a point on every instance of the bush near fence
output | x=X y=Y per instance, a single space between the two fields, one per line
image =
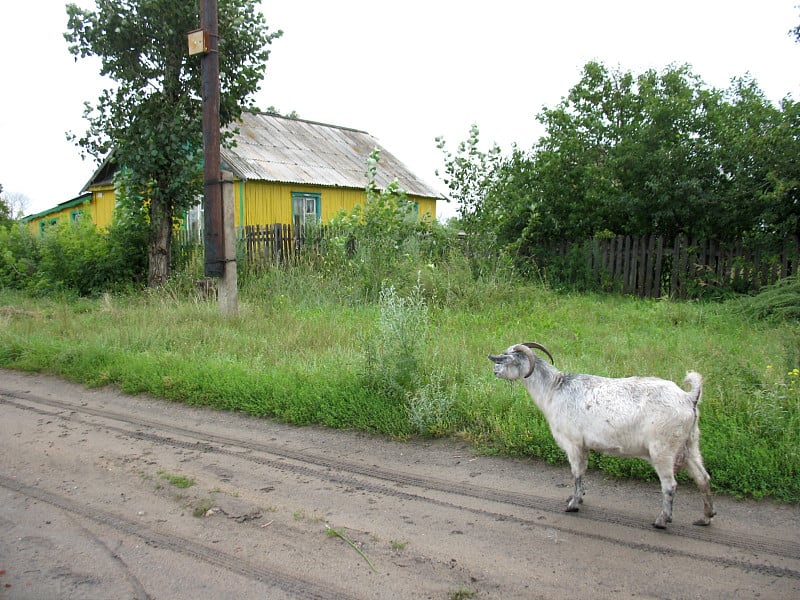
x=653 y=267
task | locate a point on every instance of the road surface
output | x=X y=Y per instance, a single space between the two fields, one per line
x=92 y=505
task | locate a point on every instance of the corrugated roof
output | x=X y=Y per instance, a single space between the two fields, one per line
x=274 y=148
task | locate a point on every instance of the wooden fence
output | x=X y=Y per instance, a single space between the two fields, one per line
x=649 y=266
x=280 y=243
x=653 y=267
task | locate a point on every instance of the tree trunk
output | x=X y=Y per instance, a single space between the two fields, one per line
x=160 y=248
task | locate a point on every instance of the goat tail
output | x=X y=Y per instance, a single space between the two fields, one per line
x=695 y=380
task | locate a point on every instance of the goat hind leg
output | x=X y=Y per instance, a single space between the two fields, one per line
x=696 y=470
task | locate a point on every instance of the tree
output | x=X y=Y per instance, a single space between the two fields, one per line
x=5 y=210
x=626 y=154
x=660 y=153
x=151 y=118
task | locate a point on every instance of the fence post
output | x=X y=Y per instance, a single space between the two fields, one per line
x=626 y=263
x=649 y=267
x=658 y=276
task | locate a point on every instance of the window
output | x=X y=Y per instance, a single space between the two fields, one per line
x=306 y=208
x=45 y=224
x=75 y=216
x=193 y=222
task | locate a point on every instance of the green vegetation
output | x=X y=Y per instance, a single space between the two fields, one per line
x=332 y=532
x=150 y=118
x=462 y=593
x=653 y=153
x=179 y=481
x=304 y=351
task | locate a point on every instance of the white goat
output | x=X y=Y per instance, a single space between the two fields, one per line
x=642 y=417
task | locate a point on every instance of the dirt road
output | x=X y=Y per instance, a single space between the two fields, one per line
x=91 y=507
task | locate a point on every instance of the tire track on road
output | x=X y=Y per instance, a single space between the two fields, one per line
x=298 y=588
x=351 y=474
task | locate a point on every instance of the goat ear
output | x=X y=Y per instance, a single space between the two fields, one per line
x=499 y=358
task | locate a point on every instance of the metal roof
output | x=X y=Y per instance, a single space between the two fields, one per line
x=280 y=149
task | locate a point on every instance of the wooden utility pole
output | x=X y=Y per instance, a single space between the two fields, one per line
x=212 y=190
x=219 y=235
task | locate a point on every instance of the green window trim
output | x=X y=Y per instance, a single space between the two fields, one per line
x=305 y=204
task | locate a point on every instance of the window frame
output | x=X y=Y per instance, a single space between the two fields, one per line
x=301 y=218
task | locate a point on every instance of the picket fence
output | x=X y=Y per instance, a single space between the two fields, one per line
x=281 y=243
x=652 y=267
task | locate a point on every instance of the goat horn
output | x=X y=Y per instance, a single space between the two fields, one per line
x=542 y=348
x=531 y=357
x=526 y=349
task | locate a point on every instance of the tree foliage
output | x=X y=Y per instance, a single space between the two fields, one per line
x=151 y=116
x=5 y=210
x=382 y=239
x=626 y=154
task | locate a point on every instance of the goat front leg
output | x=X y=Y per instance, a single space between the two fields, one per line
x=574 y=501
x=578 y=462
x=668 y=487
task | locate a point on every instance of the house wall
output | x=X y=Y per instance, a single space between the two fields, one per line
x=264 y=203
x=99 y=207
x=103 y=201
x=255 y=203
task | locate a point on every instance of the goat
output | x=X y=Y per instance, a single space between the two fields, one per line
x=641 y=417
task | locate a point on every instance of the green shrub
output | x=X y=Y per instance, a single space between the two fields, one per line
x=780 y=301
x=19 y=256
x=394 y=349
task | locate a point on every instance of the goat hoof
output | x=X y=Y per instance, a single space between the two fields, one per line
x=702 y=522
x=571 y=508
x=661 y=522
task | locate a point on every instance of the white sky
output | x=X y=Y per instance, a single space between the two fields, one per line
x=405 y=72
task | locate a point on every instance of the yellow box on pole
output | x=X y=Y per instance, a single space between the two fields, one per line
x=198 y=42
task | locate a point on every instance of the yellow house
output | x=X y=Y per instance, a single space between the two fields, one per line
x=285 y=170
x=88 y=205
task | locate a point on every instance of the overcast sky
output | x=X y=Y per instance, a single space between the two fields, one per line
x=406 y=72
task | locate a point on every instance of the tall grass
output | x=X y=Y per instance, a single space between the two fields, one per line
x=306 y=348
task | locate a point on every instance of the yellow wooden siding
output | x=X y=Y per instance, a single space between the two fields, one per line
x=99 y=209
x=56 y=217
x=426 y=206
x=255 y=203
x=103 y=201
x=262 y=203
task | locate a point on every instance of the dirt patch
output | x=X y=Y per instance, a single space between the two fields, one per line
x=107 y=495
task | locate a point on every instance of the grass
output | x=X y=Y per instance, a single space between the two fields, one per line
x=179 y=481
x=305 y=350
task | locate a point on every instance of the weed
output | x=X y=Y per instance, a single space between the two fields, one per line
x=394 y=349
x=179 y=481
x=398 y=546
x=430 y=409
x=201 y=507
x=331 y=532
x=462 y=593
x=300 y=515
